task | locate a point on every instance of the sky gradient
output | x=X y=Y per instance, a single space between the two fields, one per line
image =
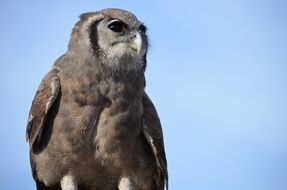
x=217 y=74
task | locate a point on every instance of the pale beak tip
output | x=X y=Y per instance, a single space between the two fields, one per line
x=138 y=42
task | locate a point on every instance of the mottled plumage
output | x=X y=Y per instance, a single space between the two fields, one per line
x=91 y=124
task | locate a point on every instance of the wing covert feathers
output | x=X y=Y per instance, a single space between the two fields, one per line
x=153 y=132
x=45 y=96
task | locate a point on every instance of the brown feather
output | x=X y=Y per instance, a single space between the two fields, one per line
x=45 y=97
x=153 y=133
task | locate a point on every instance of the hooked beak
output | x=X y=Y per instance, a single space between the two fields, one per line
x=136 y=42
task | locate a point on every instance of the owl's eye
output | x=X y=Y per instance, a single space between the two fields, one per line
x=116 y=26
x=142 y=28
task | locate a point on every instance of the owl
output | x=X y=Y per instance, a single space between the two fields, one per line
x=91 y=125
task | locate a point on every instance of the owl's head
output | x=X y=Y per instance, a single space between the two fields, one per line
x=116 y=37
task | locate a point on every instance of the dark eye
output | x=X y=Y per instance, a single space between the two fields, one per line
x=116 y=26
x=142 y=28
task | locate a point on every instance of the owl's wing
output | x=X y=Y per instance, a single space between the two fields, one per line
x=153 y=133
x=46 y=95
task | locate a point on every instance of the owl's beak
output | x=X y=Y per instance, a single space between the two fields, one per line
x=136 y=42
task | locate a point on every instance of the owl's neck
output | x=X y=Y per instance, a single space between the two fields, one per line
x=92 y=73
x=117 y=85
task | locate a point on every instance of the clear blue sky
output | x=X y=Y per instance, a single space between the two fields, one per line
x=217 y=73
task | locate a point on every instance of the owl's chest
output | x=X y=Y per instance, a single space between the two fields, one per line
x=114 y=108
x=115 y=122
x=121 y=117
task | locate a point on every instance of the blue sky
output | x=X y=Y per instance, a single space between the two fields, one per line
x=217 y=73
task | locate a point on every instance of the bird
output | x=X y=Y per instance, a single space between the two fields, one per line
x=91 y=125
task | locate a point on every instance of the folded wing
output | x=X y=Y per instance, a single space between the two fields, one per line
x=46 y=95
x=153 y=132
